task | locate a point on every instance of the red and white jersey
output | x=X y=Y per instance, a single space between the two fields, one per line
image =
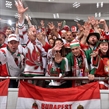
x=33 y=59
x=11 y=64
x=23 y=37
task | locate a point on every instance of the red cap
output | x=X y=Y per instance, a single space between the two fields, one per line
x=66 y=27
x=67 y=45
x=73 y=29
x=3 y=33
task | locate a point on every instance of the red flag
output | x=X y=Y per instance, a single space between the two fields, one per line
x=31 y=96
x=3 y=93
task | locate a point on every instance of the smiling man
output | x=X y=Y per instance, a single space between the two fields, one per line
x=77 y=62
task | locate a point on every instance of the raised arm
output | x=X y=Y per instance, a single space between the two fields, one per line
x=21 y=10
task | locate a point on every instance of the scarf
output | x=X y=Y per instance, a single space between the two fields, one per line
x=80 y=67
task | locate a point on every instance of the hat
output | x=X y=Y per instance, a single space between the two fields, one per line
x=66 y=27
x=3 y=33
x=103 y=40
x=67 y=45
x=91 y=34
x=13 y=37
x=73 y=29
x=63 y=31
x=74 y=43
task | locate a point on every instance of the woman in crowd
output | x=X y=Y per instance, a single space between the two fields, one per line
x=100 y=63
x=57 y=63
x=51 y=42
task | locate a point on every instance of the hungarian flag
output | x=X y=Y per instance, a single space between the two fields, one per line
x=82 y=97
x=3 y=93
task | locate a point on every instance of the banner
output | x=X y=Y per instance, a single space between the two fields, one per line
x=82 y=97
x=3 y=93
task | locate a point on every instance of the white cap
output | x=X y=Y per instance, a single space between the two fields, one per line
x=63 y=31
x=13 y=37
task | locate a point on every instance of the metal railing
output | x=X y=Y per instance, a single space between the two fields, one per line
x=57 y=78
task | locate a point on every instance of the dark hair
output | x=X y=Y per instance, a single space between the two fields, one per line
x=58 y=39
x=51 y=39
x=107 y=54
x=62 y=51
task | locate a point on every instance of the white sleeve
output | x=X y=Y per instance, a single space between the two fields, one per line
x=2 y=57
x=50 y=54
x=22 y=33
x=22 y=50
x=66 y=65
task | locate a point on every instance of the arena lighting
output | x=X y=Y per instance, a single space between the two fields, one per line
x=8 y=4
x=76 y=20
x=76 y=4
x=97 y=5
x=96 y=15
x=9 y=22
x=54 y=16
x=50 y=0
x=57 y=15
x=99 y=14
x=101 y=4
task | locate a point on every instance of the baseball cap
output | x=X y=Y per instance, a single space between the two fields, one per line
x=13 y=37
x=73 y=29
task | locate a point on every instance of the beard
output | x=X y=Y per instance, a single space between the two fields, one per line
x=93 y=42
x=69 y=39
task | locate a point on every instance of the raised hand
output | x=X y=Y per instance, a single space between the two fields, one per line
x=86 y=29
x=102 y=21
x=42 y=23
x=86 y=32
x=80 y=27
x=91 y=77
x=20 y=7
x=94 y=53
x=51 y=25
x=59 y=24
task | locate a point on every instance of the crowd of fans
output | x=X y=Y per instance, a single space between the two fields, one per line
x=59 y=51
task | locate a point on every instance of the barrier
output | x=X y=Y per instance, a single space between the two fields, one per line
x=57 y=78
x=13 y=92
